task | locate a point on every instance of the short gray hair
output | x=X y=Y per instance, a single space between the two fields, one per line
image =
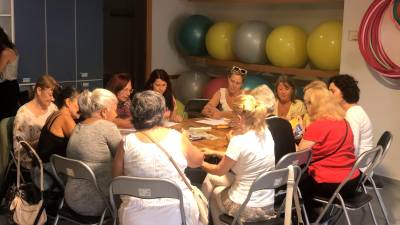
x=264 y=95
x=92 y=101
x=147 y=109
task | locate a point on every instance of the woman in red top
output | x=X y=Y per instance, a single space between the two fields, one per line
x=331 y=139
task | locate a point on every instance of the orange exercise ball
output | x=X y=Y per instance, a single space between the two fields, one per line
x=286 y=46
x=219 y=40
x=324 y=45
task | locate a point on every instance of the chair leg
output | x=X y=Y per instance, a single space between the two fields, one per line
x=102 y=216
x=344 y=209
x=370 y=206
x=380 y=200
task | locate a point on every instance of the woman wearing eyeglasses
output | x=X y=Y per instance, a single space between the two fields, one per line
x=225 y=96
x=120 y=84
x=287 y=106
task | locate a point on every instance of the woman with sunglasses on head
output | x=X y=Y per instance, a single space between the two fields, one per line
x=225 y=96
x=159 y=82
x=121 y=85
x=287 y=106
x=32 y=116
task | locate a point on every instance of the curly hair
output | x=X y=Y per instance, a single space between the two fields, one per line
x=348 y=86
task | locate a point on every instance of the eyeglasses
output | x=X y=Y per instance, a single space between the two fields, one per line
x=238 y=70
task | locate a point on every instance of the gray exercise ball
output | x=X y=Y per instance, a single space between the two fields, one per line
x=190 y=85
x=249 y=42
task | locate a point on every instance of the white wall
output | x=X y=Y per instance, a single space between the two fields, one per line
x=379 y=98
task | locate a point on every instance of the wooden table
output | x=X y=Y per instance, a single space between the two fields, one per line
x=219 y=144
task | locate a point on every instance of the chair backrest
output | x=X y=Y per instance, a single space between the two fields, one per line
x=6 y=142
x=145 y=188
x=270 y=180
x=385 y=141
x=369 y=161
x=194 y=107
x=298 y=158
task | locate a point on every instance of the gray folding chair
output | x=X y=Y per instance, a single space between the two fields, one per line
x=360 y=198
x=269 y=180
x=194 y=107
x=78 y=170
x=145 y=188
x=384 y=141
x=301 y=159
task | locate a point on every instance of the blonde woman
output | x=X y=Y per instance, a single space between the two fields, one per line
x=331 y=140
x=247 y=161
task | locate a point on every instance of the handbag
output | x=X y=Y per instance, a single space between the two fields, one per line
x=201 y=200
x=24 y=209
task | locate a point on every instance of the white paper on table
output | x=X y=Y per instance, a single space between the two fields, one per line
x=213 y=122
x=169 y=124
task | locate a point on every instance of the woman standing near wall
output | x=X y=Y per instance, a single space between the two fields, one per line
x=8 y=76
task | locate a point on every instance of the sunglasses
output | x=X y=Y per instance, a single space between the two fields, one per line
x=238 y=70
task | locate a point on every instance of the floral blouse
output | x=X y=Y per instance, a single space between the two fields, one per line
x=123 y=109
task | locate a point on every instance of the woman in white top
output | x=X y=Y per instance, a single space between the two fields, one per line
x=32 y=116
x=249 y=154
x=347 y=93
x=225 y=96
x=8 y=76
x=139 y=156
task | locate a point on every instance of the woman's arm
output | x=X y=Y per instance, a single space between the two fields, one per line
x=6 y=56
x=174 y=114
x=118 y=164
x=221 y=168
x=192 y=154
x=304 y=145
x=210 y=110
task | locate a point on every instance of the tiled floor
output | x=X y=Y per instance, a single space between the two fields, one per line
x=390 y=193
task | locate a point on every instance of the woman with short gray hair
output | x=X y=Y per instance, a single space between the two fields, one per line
x=140 y=156
x=94 y=141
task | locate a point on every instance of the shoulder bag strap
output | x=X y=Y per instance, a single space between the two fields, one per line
x=337 y=149
x=170 y=159
x=289 y=195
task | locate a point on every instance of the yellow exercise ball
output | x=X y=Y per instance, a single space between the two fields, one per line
x=324 y=45
x=286 y=46
x=219 y=40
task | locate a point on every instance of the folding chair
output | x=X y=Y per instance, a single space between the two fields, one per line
x=145 y=188
x=384 y=141
x=75 y=169
x=301 y=159
x=270 y=180
x=194 y=107
x=360 y=198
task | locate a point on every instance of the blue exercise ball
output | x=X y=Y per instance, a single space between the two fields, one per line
x=192 y=34
x=249 y=42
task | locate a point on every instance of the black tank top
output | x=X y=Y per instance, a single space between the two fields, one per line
x=49 y=143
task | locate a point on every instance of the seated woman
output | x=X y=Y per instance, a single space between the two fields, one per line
x=159 y=82
x=32 y=116
x=121 y=85
x=59 y=126
x=139 y=156
x=225 y=96
x=247 y=161
x=280 y=129
x=287 y=106
x=94 y=141
x=347 y=93
x=331 y=140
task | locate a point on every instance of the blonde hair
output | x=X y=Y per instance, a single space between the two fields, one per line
x=265 y=95
x=91 y=102
x=321 y=103
x=253 y=113
x=315 y=84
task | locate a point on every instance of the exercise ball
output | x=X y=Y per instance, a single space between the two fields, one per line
x=286 y=46
x=249 y=42
x=219 y=40
x=190 y=85
x=252 y=81
x=214 y=85
x=324 y=44
x=192 y=34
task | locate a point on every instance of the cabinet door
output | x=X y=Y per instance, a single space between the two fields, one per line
x=61 y=39
x=89 y=28
x=30 y=37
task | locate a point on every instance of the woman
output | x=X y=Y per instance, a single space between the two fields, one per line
x=287 y=106
x=247 y=161
x=159 y=82
x=94 y=141
x=139 y=156
x=8 y=76
x=59 y=126
x=121 y=85
x=32 y=116
x=331 y=140
x=225 y=96
x=347 y=94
